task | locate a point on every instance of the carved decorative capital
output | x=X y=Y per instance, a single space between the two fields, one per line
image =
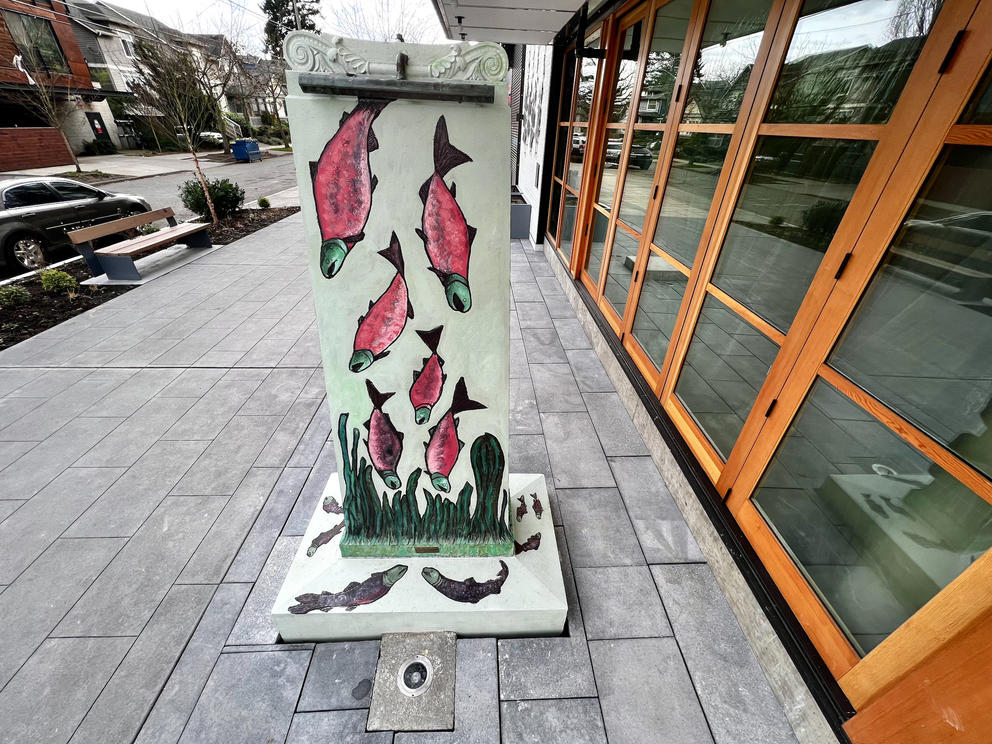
x=472 y=61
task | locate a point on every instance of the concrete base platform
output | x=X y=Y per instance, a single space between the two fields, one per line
x=155 y=265
x=531 y=601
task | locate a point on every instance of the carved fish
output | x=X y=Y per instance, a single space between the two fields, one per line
x=468 y=590
x=531 y=543
x=386 y=317
x=926 y=542
x=385 y=443
x=538 y=507
x=444 y=444
x=429 y=380
x=447 y=236
x=522 y=509
x=356 y=593
x=875 y=506
x=324 y=537
x=896 y=507
x=343 y=184
x=331 y=506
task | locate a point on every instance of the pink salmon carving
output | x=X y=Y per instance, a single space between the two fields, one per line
x=447 y=236
x=385 y=443
x=386 y=317
x=356 y=593
x=444 y=444
x=343 y=184
x=429 y=380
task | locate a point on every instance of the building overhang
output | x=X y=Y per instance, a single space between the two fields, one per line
x=96 y=94
x=505 y=21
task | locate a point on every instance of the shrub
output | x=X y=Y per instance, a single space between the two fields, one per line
x=99 y=147
x=13 y=294
x=55 y=281
x=227 y=197
x=264 y=203
x=148 y=229
x=822 y=219
x=776 y=220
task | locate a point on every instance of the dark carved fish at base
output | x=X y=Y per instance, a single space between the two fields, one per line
x=331 y=506
x=468 y=590
x=522 y=509
x=531 y=543
x=538 y=507
x=356 y=593
x=325 y=537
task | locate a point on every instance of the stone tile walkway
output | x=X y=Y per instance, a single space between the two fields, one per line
x=160 y=457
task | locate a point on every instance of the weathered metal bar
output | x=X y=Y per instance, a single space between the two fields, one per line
x=421 y=90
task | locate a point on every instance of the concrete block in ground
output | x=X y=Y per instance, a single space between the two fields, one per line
x=340 y=676
x=431 y=707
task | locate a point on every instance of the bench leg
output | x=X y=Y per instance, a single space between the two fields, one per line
x=199 y=239
x=92 y=261
x=119 y=267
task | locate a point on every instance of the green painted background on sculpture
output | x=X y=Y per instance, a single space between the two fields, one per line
x=416 y=517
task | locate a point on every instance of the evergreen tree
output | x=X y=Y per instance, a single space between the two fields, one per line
x=281 y=21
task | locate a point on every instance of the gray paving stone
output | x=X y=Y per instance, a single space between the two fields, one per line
x=558 y=305
x=118 y=713
x=227 y=459
x=545 y=668
x=8 y=507
x=135 y=392
x=165 y=722
x=340 y=676
x=256 y=548
x=735 y=694
x=542 y=346
x=570 y=333
x=575 y=720
x=577 y=459
x=518 y=359
x=645 y=693
x=524 y=291
x=13 y=378
x=533 y=315
x=266 y=353
x=29 y=531
x=660 y=528
x=620 y=602
x=191 y=383
x=615 y=429
x=318 y=430
x=312 y=492
x=35 y=603
x=555 y=388
x=129 y=441
x=45 y=384
x=248 y=698
x=524 y=416
x=13 y=409
x=286 y=438
x=276 y=394
x=33 y=470
x=315 y=387
x=589 y=372
x=210 y=415
x=337 y=726
x=215 y=553
x=10 y=451
x=254 y=625
x=51 y=693
x=476 y=698
x=123 y=507
x=548 y=283
x=128 y=591
x=599 y=532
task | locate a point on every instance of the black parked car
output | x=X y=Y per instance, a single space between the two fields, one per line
x=36 y=212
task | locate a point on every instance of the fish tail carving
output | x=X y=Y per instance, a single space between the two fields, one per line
x=394 y=254
x=377 y=398
x=446 y=155
x=461 y=402
x=431 y=338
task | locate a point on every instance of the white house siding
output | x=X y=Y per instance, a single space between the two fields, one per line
x=534 y=117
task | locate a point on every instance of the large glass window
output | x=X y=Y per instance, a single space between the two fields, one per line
x=35 y=40
x=876 y=527
x=849 y=60
x=671 y=22
x=658 y=307
x=921 y=339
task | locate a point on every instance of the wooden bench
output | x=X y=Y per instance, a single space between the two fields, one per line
x=117 y=260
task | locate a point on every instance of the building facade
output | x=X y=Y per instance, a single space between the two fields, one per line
x=777 y=212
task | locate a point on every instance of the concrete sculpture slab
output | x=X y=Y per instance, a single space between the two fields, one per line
x=402 y=156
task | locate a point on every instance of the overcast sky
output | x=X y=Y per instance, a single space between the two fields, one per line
x=236 y=16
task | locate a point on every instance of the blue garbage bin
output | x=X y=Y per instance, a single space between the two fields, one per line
x=246 y=150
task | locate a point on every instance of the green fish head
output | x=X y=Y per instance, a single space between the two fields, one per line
x=431 y=576
x=394 y=574
x=422 y=415
x=310 y=551
x=391 y=479
x=361 y=359
x=440 y=482
x=332 y=254
x=458 y=294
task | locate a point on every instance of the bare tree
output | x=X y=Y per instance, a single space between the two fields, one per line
x=216 y=62
x=47 y=98
x=168 y=84
x=383 y=20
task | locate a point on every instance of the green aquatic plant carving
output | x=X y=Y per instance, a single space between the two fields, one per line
x=379 y=524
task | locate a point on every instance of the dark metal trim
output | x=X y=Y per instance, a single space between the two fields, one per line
x=825 y=690
x=419 y=90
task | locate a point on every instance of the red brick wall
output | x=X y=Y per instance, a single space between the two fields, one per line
x=32 y=147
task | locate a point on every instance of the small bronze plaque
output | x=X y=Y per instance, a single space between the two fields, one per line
x=426 y=549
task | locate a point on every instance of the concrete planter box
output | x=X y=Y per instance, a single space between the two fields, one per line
x=519 y=216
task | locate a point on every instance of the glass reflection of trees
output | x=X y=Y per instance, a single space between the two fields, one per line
x=670 y=26
x=849 y=60
x=623 y=90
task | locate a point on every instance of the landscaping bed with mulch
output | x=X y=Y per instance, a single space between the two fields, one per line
x=43 y=309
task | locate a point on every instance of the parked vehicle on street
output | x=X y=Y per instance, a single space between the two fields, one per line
x=36 y=212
